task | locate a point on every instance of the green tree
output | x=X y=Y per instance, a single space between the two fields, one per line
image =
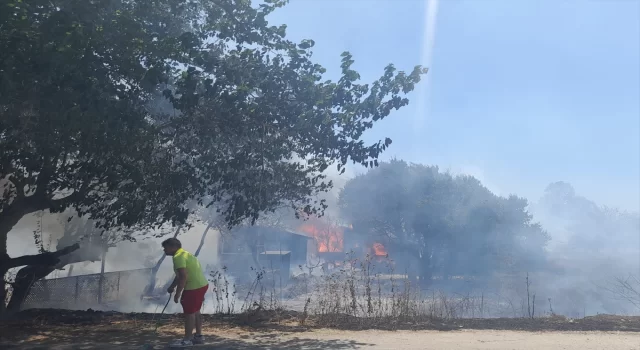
x=586 y=228
x=124 y=110
x=447 y=224
x=81 y=240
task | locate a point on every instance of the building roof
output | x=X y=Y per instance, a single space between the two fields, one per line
x=276 y=252
x=302 y=234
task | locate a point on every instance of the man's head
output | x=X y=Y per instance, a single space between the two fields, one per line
x=171 y=246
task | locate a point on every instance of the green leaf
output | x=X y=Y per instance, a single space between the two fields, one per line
x=146 y=111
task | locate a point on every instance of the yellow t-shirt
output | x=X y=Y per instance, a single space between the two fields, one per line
x=195 y=276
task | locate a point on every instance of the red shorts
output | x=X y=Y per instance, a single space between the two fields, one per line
x=193 y=299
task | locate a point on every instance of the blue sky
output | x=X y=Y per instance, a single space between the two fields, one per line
x=519 y=93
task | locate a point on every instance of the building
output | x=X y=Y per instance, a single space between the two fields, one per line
x=248 y=250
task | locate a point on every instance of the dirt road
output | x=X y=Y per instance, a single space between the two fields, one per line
x=64 y=330
x=479 y=339
x=332 y=339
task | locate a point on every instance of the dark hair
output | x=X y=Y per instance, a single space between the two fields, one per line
x=172 y=242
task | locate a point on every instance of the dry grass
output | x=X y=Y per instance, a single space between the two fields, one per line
x=367 y=292
x=358 y=296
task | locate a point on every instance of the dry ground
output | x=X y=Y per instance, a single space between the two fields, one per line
x=58 y=329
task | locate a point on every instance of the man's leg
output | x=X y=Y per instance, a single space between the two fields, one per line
x=189 y=324
x=189 y=309
x=198 y=338
x=198 y=323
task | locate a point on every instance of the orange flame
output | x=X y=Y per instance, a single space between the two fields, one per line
x=328 y=238
x=379 y=249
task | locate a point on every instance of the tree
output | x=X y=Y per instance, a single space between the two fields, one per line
x=588 y=228
x=124 y=110
x=81 y=241
x=594 y=241
x=627 y=289
x=447 y=224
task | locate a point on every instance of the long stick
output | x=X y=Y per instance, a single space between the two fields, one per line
x=164 y=308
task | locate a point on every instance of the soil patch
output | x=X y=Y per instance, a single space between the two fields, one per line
x=55 y=329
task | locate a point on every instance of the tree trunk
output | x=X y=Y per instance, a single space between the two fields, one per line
x=24 y=280
x=9 y=217
x=204 y=236
x=36 y=266
x=21 y=206
x=43 y=264
x=4 y=257
x=154 y=272
x=3 y=291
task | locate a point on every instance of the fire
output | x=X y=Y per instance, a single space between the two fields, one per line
x=329 y=238
x=379 y=249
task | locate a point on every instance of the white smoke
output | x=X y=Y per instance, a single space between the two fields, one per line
x=426 y=58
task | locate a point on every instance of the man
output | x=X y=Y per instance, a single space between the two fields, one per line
x=190 y=286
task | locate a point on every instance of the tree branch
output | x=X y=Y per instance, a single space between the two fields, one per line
x=18 y=184
x=48 y=258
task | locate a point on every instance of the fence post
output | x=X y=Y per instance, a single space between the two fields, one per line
x=100 y=290
x=45 y=288
x=118 y=287
x=101 y=281
x=77 y=288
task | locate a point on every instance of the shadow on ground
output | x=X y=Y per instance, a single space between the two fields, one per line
x=125 y=336
x=64 y=329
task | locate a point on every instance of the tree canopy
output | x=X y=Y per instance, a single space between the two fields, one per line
x=587 y=228
x=449 y=224
x=124 y=110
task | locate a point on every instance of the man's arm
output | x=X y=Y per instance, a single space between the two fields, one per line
x=181 y=278
x=173 y=285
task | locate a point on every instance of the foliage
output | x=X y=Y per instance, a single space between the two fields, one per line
x=449 y=224
x=124 y=110
x=589 y=228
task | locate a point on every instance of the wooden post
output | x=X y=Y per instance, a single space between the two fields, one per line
x=45 y=288
x=118 y=286
x=101 y=281
x=77 y=289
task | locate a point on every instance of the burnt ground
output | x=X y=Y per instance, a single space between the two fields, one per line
x=46 y=329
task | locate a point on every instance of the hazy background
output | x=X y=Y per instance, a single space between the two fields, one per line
x=520 y=94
